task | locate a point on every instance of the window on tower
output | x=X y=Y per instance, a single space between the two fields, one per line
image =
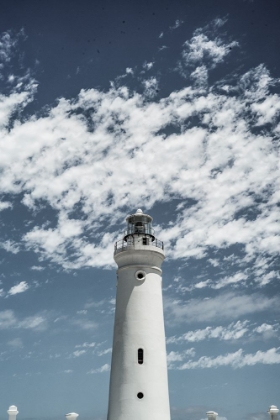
x=139 y=227
x=140 y=356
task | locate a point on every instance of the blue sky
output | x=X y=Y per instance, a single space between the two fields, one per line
x=170 y=106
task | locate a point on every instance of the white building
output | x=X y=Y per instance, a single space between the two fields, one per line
x=13 y=411
x=71 y=416
x=211 y=415
x=273 y=411
x=138 y=383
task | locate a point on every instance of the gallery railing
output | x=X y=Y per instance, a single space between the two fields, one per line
x=122 y=245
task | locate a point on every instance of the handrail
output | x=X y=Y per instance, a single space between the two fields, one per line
x=122 y=245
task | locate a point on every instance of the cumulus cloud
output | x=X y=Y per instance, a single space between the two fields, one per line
x=236 y=360
x=124 y=137
x=5 y=205
x=204 y=51
x=10 y=246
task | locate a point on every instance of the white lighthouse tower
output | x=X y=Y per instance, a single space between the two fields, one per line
x=138 y=383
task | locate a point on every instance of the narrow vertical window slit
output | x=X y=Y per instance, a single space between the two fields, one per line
x=140 y=356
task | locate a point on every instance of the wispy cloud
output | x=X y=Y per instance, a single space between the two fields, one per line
x=233 y=331
x=85 y=324
x=10 y=246
x=103 y=352
x=177 y=24
x=86 y=345
x=235 y=360
x=224 y=306
x=37 y=268
x=175 y=356
x=9 y=320
x=18 y=288
x=15 y=343
x=102 y=369
x=78 y=353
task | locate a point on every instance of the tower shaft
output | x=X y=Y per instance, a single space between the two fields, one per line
x=138 y=383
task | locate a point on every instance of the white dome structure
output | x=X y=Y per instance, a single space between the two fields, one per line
x=13 y=411
x=273 y=411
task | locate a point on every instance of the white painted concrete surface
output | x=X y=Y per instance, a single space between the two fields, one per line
x=273 y=411
x=211 y=415
x=71 y=416
x=13 y=411
x=139 y=324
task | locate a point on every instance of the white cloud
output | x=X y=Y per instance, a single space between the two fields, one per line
x=37 y=323
x=233 y=331
x=18 y=288
x=264 y=328
x=9 y=320
x=91 y=182
x=15 y=343
x=177 y=24
x=103 y=352
x=202 y=49
x=102 y=369
x=10 y=246
x=235 y=360
x=150 y=86
x=175 y=356
x=82 y=312
x=78 y=353
x=148 y=66
x=85 y=324
x=5 y=205
x=86 y=345
x=37 y=268
x=223 y=306
x=267 y=331
x=236 y=278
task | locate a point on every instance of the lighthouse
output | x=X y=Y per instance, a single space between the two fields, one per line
x=138 y=382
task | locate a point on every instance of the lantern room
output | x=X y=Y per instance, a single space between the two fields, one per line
x=139 y=224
